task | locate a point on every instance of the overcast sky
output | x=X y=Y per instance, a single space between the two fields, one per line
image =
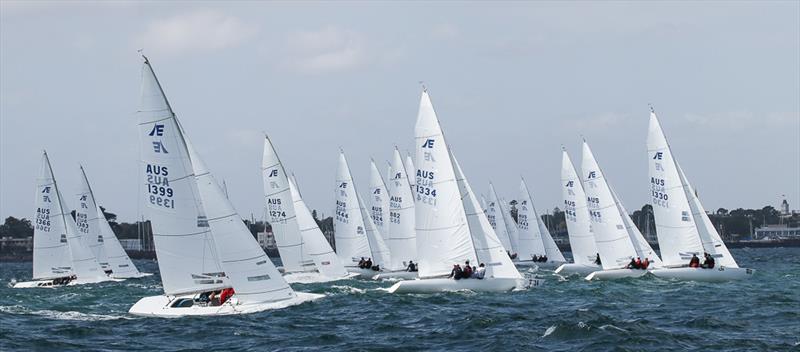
x=511 y=82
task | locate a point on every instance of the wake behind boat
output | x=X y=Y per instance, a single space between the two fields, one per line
x=210 y=263
x=683 y=227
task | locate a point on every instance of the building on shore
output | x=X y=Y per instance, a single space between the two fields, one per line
x=777 y=232
x=266 y=240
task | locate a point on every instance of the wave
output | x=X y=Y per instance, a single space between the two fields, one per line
x=60 y=315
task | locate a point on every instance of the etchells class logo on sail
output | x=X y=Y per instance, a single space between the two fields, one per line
x=160 y=193
x=158 y=145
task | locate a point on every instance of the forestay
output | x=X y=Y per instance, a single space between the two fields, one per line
x=281 y=213
x=349 y=227
x=314 y=242
x=581 y=238
x=443 y=237
x=185 y=250
x=494 y=212
x=402 y=239
x=613 y=242
x=250 y=271
x=51 y=257
x=530 y=237
x=488 y=249
x=378 y=201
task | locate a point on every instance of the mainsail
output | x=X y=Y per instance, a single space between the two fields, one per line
x=495 y=214
x=677 y=232
x=186 y=252
x=379 y=201
x=581 y=238
x=613 y=241
x=349 y=227
x=443 y=236
x=51 y=256
x=402 y=238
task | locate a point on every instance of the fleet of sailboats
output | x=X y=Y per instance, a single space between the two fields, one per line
x=418 y=223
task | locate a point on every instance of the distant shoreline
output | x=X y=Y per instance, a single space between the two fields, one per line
x=273 y=253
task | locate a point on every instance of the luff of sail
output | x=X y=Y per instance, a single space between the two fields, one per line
x=613 y=241
x=378 y=248
x=185 y=250
x=488 y=249
x=250 y=271
x=281 y=213
x=402 y=238
x=443 y=237
x=581 y=238
x=349 y=227
x=51 y=257
x=676 y=228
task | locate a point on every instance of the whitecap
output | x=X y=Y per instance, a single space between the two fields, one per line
x=609 y=326
x=349 y=289
x=59 y=315
x=549 y=331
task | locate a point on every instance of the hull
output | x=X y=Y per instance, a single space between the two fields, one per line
x=445 y=285
x=540 y=265
x=160 y=306
x=49 y=283
x=720 y=274
x=577 y=269
x=396 y=275
x=365 y=274
x=314 y=277
x=615 y=274
x=141 y=275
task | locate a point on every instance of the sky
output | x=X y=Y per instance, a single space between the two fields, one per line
x=511 y=83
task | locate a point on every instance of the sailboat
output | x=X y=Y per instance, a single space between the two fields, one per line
x=682 y=226
x=506 y=232
x=534 y=238
x=581 y=239
x=305 y=253
x=61 y=254
x=402 y=238
x=451 y=226
x=356 y=236
x=614 y=242
x=104 y=244
x=201 y=242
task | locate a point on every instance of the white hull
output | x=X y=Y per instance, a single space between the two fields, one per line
x=314 y=277
x=159 y=306
x=49 y=283
x=141 y=275
x=614 y=274
x=541 y=265
x=444 y=285
x=366 y=274
x=577 y=269
x=396 y=275
x=720 y=274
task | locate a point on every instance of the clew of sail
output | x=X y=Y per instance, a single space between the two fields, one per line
x=581 y=238
x=402 y=238
x=443 y=237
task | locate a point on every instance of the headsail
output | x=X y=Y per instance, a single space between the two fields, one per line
x=378 y=201
x=488 y=248
x=613 y=241
x=581 y=238
x=443 y=237
x=51 y=257
x=643 y=249
x=494 y=212
x=402 y=240
x=530 y=236
x=349 y=227
x=87 y=221
x=250 y=271
x=378 y=248
x=186 y=252
x=676 y=228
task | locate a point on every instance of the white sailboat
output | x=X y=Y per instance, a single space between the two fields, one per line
x=201 y=242
x=61 y=254
x=305 y=253
x=402 y=238
x=104 y=243
x=507 y=233
x=451 y=227
x=378 y=201
x=682 y=226
x=581 y=238
x=353 y=240
x=614 y=243
x=534 y=238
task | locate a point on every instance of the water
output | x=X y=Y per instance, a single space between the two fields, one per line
x=647 y=314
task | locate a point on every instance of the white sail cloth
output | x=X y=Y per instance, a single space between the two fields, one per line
x=581 y=238
x=495 y=214
x=378 y=201
x=51 y=256
x=349 y=227
x=535 y=238
x=402 y=238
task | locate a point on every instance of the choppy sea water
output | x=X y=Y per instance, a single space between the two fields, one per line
x=568 y=315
